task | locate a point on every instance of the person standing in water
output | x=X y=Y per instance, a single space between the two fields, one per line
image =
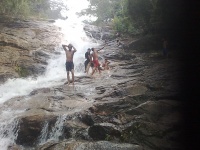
x=69 y=61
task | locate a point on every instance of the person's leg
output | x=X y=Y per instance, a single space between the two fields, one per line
x=72 y=71
x=88 y=67
x=99 y=68
x=67 y=69
x=93 y=70
x=68 y=78
x=86 y=64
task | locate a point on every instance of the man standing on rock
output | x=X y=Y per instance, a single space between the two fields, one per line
x=69 y=61
x=96 y=60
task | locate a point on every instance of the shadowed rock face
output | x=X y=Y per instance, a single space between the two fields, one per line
x=135 y=105
x=25 y=47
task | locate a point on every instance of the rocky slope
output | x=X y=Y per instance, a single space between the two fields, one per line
x=135 y=105
x=25 y=47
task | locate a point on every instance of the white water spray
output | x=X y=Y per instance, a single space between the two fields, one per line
x=8 y=133
x=72 y=28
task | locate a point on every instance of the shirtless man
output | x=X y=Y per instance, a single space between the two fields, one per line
x=69 y=61
x=96 y=60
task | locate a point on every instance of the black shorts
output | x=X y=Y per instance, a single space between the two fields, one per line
x=86 y=63
x=69 y=66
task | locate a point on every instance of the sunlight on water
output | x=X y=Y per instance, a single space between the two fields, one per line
x=72 y=28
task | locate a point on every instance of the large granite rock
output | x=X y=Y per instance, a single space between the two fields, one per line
x=22 y=45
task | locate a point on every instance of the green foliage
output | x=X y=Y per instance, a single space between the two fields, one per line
x=115 y=10
x=22 y=71
x=140 y=12
x=108 y=137
x=137 y=16
x=14 y=8
x=31 y=8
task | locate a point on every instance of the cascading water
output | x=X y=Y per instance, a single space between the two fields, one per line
x=8 y=132
x=55 y=133
x=72 y=28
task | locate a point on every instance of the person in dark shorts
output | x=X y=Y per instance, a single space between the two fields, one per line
x=88 y=58
x=165 y=47
x=69 y=60
x=69 y=66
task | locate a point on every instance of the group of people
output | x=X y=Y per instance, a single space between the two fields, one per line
x=92 y=61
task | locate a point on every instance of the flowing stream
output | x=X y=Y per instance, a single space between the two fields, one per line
x=72 y=28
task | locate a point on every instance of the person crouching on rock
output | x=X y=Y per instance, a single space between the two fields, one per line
x=105 y=65
x=69 y=61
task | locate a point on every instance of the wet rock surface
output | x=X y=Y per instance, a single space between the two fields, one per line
x=25 y=47
x=135 y=105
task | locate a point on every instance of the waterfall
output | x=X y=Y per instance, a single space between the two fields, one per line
x=57 y=130
x=55 y=73
x=72 y=28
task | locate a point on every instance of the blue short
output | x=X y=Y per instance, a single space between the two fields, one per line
x=165 y=51
x=69 y=66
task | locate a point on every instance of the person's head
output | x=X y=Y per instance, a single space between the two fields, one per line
x=70 y=47
x=106 y=60
x=88 y=49
x=92 y=49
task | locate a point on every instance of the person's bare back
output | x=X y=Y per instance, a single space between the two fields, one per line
x=95 y=55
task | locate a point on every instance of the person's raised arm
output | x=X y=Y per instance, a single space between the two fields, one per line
x=64 y=47
x=100 y=49
x=74 y=49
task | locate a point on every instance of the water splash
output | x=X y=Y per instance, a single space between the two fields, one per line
x=8 y=132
